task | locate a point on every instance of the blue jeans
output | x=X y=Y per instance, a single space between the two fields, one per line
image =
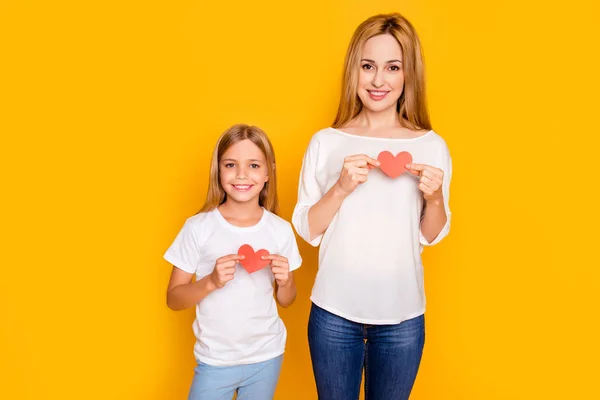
x=250 y=381
x=340 y=349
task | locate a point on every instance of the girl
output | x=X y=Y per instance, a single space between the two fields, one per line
x=368 y=298
x=240 y=338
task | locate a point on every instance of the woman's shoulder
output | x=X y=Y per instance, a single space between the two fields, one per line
x=322 y=134
x=327 y=137
x=319 y=140
x=433 y=139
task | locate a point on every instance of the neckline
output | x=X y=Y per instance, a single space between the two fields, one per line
x=380 y=138
x=236 y=228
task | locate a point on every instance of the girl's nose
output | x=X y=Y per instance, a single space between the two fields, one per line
x=241 y=173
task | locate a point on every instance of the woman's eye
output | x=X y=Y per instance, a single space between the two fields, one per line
x=395 y=68
x=367 y=67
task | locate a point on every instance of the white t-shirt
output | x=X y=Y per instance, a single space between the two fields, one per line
x=238 y=323
x=370 y=267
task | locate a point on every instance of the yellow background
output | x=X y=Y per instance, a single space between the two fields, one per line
x=110 y=111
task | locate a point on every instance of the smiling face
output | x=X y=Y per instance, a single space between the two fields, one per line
x=243 y=172
x=381 y=76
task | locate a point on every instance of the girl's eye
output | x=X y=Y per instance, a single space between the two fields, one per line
x=394 y=68
x=254 y=166
x=367 y=67
x=229 y=165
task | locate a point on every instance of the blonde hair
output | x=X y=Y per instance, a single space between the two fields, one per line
x=237 y=133
x=412 y=107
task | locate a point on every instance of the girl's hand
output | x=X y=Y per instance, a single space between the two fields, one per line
x=280 y=268
x=431 y=180
x=224 y=270
x=354 y=172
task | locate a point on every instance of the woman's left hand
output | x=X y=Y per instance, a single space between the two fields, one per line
x=280 y=268
x=430 y=182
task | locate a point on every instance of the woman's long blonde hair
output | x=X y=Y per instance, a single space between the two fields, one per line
x=412 y=107
x=216 y=195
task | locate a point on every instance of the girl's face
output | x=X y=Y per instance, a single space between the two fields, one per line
x=243 y=172
x=381 y=77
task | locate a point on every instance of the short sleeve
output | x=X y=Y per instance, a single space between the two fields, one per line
x=309 y=193
x=184 y=252
x=444 y=162
x=290 y=250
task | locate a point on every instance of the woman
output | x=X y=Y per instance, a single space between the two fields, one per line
x=368 y=297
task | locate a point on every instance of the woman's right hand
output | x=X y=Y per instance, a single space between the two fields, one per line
x=224 y=269
x=354 y=172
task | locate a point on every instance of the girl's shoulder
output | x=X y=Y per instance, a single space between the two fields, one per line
x=200 y=217
x=276 y=222
x=200 y=222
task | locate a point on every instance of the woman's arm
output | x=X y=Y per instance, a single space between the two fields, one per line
x=433 y=220
x=434 y=183
x=313 y=215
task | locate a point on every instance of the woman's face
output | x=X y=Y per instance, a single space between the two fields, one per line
x=381 y=77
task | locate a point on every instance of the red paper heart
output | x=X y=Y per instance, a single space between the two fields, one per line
x=394 y=166
x=253 y=261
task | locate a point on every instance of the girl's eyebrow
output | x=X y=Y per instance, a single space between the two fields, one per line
x=252 y=160
x=387 y=62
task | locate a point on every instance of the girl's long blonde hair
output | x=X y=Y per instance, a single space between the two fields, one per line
x=216 y=195
x=412 y=107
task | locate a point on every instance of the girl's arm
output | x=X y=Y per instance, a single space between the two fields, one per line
x=285 y=293
x=182 y=293
x=285 y=287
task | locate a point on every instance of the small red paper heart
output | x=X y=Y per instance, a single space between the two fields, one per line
x=253 y=261
x=394 y=166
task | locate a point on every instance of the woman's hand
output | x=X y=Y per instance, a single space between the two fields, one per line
x=355 y=172
x=430 y=182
